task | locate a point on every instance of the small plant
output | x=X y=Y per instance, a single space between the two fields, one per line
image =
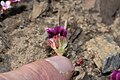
x=57 y=39
x=7 y=4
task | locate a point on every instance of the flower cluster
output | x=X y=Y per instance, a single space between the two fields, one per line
x=7 y=4
x=57 y=39
x=115 y=75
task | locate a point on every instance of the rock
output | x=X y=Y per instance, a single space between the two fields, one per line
x=108 y=10
x=115 y=28
x=88 y=4
x=101 y=47
x=38 y=9
x=111 y=63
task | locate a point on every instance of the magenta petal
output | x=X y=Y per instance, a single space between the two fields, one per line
x=50 y=32
x=113 y=75
x=55 y=31
x=118 y=76
x=63 y=33
x=58 y=29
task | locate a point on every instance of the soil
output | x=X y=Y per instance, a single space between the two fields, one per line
x=23 y=41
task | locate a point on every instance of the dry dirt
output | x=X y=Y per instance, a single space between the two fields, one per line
x=23 y=41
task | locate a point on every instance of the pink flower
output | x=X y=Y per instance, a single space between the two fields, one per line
x=5 y=5
x=53 y=43
x=56 y=30
x=58 y=43
x=115 y=75
x=57 y=39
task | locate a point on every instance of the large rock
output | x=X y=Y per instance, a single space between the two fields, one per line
x=101 y=47
x=38 y=9
x=111 y=63
x=108 y=8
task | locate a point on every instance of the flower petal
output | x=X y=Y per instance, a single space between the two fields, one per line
x=50 y=32
x=2 y=3
x=52 y=43
x=8 y=4
x=58 y=29
x=63 y=33
x=113 y=75
x=118 y=76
